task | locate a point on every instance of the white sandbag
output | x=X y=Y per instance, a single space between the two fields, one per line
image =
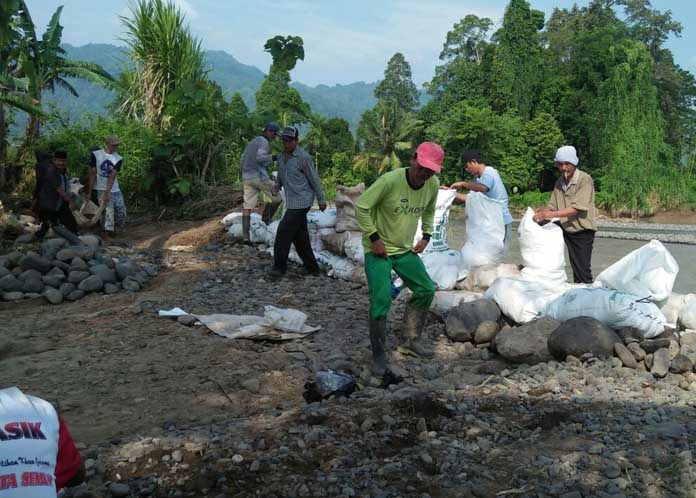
x=438 y=240
x=613 y=308
x=485 y=233
x=687 y=317
x=672 y=306
x=523 y=300
x=354 y=249
x=446 y=300
x=542 y=249
x=443 y=267
x=321 y=219
x=346 y=197
x=649 y=272
x=335 y=242
x=482 y=278
x=236 y=217
x=258 y=232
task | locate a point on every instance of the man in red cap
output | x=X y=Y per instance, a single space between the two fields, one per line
x=388 y=214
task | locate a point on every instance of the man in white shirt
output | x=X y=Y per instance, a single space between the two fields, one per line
x=104 y=166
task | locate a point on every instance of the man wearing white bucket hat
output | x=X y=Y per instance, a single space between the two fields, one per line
x=573 y=201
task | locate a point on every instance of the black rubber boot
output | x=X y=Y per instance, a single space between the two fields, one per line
x=378 y=338
x=269 y=211
x=246 y=225
x=411 y=330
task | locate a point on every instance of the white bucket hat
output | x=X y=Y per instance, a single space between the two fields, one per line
x=567 y=154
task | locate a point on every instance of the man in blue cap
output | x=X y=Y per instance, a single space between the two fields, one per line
x=256 y=158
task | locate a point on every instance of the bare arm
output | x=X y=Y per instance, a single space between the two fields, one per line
x=474 y=187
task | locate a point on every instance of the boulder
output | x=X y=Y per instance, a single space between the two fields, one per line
x=105 y=259
x=67 y=288
x=130 y=284
x=630 y=334
x=151 y=269
x=652 y=345
x=638 y=353
x=4 y=271
x=660 y=363
x=56 y=272
x=12 y=296
x=104 y=272
x=26 y=238
x=53 y=296
x=61 y=265
x=486 y=332
x=10 y=283
x=75 y=277
x=37 y=263
x=527 y=343
x=29 y=275
x=111 y=288
x=52 y=281
x=50 y=247
x=681 y=364
x=625 y=355
x=125 y=268
x=141 y=277
x=582 y=335
x=13 y=258
x=464 y=319
x=75 y=295
x=68 y=254
x=91 y=284
x=79 y=264
x=33 y=285
x=92 y=241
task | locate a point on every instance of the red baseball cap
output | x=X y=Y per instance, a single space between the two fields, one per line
x=430 y=155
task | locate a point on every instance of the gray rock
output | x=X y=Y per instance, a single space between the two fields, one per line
x=141 y=277
x=187 y=320
x=486 y=332
x=527 y=343
x=66 y=288
x=92 y=241
x=571 y=494
x=4 y=271
x=638 y=352
x=75 y=277
x=582 y=335
x=463 y=320
x=681 y=364
x=252 y=385
x=29 y=275
x=91 y=284
x=119 y=489
x=105 y=273
x=37 y=263
x=53 y=296
x=131 y=285
x=68 y=254
x=612 y=471
x=649 y=360
x=125 y=268
x=79 y=264
x=102 y=257
x=660 y=363
x=630 y=334
x=10 y=283
x=150 y=269
x=75 y=295
x=26 y=238
x=652 y=345
x=12 y=296
x=33 y=285
x=625 y=355
x=13 y=258
x=51 y=247
x=56 y=272
x=61 y=265
x=111 y=288
x=52 y=281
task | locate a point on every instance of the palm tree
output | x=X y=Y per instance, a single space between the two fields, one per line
x=386 y=135
x=165 y=54
x=43 y=66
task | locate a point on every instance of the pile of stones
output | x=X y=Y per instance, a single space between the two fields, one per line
x=59 y=272
x=481 y=323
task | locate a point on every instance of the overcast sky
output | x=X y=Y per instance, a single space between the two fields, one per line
x=344 y=41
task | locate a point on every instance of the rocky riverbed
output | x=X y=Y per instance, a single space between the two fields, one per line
x=163 y=409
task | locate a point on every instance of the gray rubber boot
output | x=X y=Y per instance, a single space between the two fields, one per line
x=246 y=226
x=411 y=330
x=72 y=239
x=269 y=211
x=378 y=338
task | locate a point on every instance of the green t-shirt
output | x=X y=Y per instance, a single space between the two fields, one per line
x=392 y=208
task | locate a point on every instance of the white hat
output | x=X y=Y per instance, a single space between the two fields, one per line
x=567 y=154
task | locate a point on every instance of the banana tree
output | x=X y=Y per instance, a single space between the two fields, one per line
x=42 y=64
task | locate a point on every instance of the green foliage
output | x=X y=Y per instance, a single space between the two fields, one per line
x=533 y=199
x=341 y=172
x=397 y=88
x=327 y=137
x=285 y=52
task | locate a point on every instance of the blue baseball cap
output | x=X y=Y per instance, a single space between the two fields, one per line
x=272 y=127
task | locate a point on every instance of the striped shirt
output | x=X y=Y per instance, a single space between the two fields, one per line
x=299 y=179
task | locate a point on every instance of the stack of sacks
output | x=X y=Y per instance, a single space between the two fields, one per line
x=485 y=233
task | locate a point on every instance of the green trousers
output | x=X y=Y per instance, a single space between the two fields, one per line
x=411 y=270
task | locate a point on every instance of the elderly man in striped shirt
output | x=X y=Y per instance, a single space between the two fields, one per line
x=298 y=177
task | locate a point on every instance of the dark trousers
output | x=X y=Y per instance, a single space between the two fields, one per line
x=62 y=216
x=579 y=246
x=292 y=229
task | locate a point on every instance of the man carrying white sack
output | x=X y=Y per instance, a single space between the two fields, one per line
x=573 y=201
x=388 y=214
x=487 y=181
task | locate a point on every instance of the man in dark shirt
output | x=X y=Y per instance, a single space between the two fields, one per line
x=43 y=162
x=55 y=202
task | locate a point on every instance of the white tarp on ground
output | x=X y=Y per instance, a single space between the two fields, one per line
x=275 y=324
x=614 y=308
x=542 y=249
x=485 y=233
x=648 y=272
